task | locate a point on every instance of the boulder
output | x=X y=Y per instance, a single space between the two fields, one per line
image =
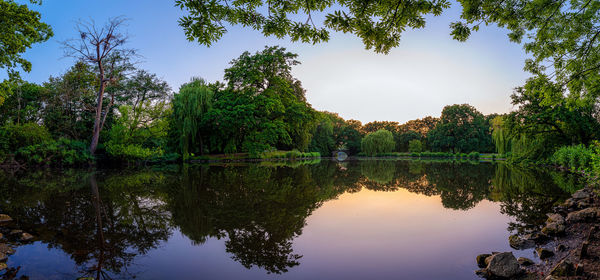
x=583 y=215
x=15 y=232
x=581 y=194
x=481 y=260
x=563 y=268
x=3 y=266
x=5 y=218
x=25 y=237
x=3 y=257
x=554 y=229
x=525 y=261
x=544 y=253
x=504 y=265
x=519 y=243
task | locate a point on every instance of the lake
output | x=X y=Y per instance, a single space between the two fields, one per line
x=361 y=219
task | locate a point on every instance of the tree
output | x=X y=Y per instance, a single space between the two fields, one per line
x=25 y=104
x=378 y=23
x=70 y=102
x=323 y=140
x=262 y=107
x=378 y=125
x=415 y=146
x=20 y=28
x=104 y=49
x=140 y=129
x=461 y=129
x=144 y=97
x=380 y=141
x=189 y=108
x=403 y=140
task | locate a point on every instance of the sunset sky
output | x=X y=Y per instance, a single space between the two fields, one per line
x=426 y=72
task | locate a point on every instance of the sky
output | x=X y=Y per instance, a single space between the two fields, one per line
x=426 y=72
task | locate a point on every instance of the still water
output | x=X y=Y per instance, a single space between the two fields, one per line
x=306 y=220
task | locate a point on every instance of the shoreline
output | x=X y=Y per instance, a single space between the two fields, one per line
x=568 y=245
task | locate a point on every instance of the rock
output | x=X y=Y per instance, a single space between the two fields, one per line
x=15 y=232
x=563 y=268
x=5 y=218
x=583 y=215
x=570 y=203
x=544 y=253
x=481 y=260
x=561 y=248
x=1 y=235
x=555 y=218
x=6 y=249
x=525 y=261
x=519 y=243
x=26 y=237
x=3 y=257
x=481 y=272
x=581 y=194
x=582 y=204
x=3 y=266
x=554 y=229
x=504 y=265
x=536 y=236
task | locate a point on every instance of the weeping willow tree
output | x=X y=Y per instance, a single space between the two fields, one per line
x=189 y=105
x=378 y=142
x=500 y=135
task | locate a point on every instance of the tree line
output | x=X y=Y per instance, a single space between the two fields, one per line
x=260 y=106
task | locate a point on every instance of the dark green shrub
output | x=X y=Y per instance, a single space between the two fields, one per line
x=63 y=152
x=15 y=136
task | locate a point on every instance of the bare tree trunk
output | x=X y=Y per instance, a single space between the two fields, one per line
x=97 y=120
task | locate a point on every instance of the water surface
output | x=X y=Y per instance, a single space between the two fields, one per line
x=320 y=220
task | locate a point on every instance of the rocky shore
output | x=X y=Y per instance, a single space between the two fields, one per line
x=568 y=245
x=10 y=238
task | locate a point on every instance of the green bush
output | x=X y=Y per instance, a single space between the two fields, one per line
x=289 y=154
x=473 y=155
x=576 y=158
x=381 y=141
x=132 y=152
x=15 y=136
x=64 y=152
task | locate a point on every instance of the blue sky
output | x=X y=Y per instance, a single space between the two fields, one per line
x=426 y=72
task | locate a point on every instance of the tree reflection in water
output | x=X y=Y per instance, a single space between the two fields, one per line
x=257 y=210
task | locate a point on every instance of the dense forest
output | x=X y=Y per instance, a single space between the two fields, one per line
x=106 y=109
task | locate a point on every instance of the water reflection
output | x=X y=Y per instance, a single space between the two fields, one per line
x=103 y=220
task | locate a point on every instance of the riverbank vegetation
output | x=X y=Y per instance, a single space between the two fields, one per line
x=104 y=109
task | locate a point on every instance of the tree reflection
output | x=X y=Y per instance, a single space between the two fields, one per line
x=526 y=195
x=260 y=210
x=102 y=230
x=104 y=219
